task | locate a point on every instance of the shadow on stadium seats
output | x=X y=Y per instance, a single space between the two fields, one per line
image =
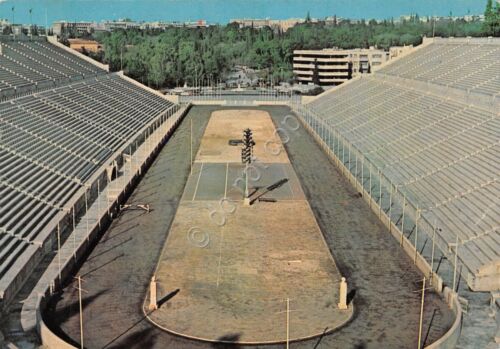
x=232 y=337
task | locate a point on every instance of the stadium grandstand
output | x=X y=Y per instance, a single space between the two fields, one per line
x=27 y=65
x=418 y=140
x=436 y=152
x=467 y=64
x=55 y=140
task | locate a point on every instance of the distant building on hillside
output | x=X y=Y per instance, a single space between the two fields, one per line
x=81 y=45
x=330 y=67
x=4 y=23
x=275 y=24
x=60 y=28
x=81 y=28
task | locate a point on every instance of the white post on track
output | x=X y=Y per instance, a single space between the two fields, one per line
x=370 y=183
x=356 y=168
x=343 y=153
x=86 y=213
x=107 y=195
x=136 y=149
x=74 y=233
x=59 y=249
x=81 y=310
x=390 y=206
x=432 y=253
x=421 y=315
x=363 y=175
x=455 y=265
x=98 y=216
x=349 y=162
x=379 y=192
x=131 y=168
x=403 y=220
x=338 y=146
x=287 y=323
x=416 y=235
x=191 y=144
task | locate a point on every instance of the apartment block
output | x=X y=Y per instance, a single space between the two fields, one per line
x=333 y=66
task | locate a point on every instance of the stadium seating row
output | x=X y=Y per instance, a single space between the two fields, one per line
x=29 y=63
x=51 y=144
x=468 y=65
x=442 y=152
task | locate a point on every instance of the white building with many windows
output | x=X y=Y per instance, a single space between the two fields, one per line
x=331 y=67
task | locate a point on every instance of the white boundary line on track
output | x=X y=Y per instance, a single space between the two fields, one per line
x=220 y=255
x=198 y=182
x=225 y=187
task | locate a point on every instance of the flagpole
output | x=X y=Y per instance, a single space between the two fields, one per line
x=31 y=21
x=13 y=21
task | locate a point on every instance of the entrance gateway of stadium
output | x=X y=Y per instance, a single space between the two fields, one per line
x=449 y=228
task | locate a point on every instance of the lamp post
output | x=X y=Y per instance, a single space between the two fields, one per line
x=31 y=21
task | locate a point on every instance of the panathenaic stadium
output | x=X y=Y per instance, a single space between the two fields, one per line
x=368 y=216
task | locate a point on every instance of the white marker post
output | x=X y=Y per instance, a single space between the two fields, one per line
x=287 y=323
x=343 y=294
x=421 y=315
x=191 y=144
x=81 y=309
x=153 y=304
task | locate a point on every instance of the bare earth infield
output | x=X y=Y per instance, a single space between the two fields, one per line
x=234 y=279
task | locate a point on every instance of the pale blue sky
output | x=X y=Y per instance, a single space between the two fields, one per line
x=222 y=10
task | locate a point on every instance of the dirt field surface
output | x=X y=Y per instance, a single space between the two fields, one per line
x=227 y=124
x=235 y=266
x=382 y=278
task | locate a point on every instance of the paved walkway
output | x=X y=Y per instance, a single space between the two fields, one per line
x=382 y=277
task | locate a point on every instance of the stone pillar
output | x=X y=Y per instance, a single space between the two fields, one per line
x=152 y=296
x=343 y=294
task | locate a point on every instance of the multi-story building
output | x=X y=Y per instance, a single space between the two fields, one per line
x=63 y=27
x=275 y=24
x=81 y=45
x=322 y=67
x=81 y=28
x=330 y=67
x=121 y=24
x=4 y=23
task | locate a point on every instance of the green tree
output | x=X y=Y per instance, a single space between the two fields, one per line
x=492 y=18
x=178 y=55
x=308 y=17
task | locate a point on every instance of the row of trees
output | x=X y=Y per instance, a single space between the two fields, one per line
x=178 y=55
x=492 y=18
